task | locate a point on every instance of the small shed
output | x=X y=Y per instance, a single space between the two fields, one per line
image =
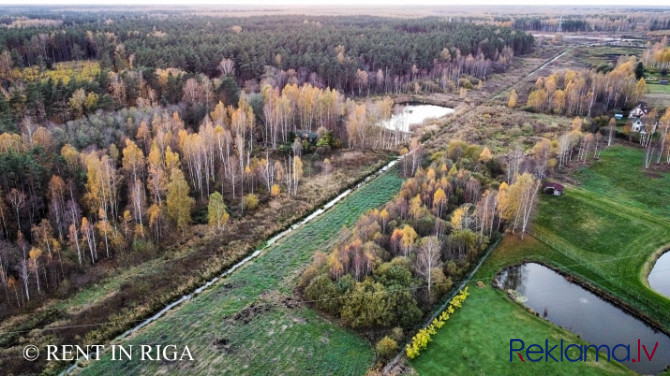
x=618 y=116
x=553 y=189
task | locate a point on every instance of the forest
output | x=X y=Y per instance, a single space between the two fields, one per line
x=119 y=132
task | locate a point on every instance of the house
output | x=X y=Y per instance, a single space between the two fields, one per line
x=553 y=189
x=640 y=125
x=639 y=111
x=662 y=82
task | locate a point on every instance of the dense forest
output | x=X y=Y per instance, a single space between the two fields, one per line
x=325 y=50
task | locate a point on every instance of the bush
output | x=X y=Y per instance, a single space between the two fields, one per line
x=324 y=293
x=386 y=348
x=420 y=340
x=275 y=191
x=250 y=201
x=397 y=334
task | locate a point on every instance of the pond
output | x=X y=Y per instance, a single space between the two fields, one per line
x=415 y=114
x=659 y=277
x=582 y=312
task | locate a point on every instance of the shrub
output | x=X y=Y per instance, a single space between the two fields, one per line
x=250 y=201
x=275 y=191
x=324 y=293
x=397 y=334
x=386 y=348
x=420 y=340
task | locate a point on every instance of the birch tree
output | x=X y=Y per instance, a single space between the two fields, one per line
x=428 y=259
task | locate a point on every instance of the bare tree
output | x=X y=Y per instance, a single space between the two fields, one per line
x=428 y=258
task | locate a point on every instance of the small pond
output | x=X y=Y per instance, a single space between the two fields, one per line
x=582 y=312
x=415 y=114
x=659 y=277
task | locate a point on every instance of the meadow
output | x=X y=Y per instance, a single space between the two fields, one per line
x=251 y=323
x=605 y=233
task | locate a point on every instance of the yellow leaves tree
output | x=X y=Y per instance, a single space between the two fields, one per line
x=216 y=212
x=408 y=238
x=71 y=157
x=35 y=254
x=520 y=200
x=576 y=124
x=157 y=182
x=640 y=88
x=155 y=214
x=511 y=102
x=439 y=201
x=415 y=205
x=297 y=173
x=485 y=155
x=10 y=142
x=537 y=99
x=458 y=216
x=78 y=102
x=384 y=216
x=179 y=203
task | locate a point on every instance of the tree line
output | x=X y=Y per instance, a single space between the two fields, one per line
x=589 y=92
x=326 y=51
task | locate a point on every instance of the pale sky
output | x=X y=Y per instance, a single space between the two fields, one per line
x=351 y=3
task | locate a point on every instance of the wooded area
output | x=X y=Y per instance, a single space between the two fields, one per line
x=116 y=130
x=404 y=257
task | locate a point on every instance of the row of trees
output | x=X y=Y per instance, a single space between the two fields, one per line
x=402 y=258
x=657 y=55
x=588 y=93
x=639 y=20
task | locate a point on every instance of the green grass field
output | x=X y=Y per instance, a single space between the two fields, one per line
x=603 y=232
x=250 y=323
x=475 y=341
x=658 y=89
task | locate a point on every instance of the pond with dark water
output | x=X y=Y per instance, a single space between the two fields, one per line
x=584 y=313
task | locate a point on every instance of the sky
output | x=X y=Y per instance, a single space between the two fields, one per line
x=351 y=3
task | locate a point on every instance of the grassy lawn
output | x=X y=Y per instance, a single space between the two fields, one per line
x=475 y=341
x=603 y=232
x=658 y=89
x=232 y=325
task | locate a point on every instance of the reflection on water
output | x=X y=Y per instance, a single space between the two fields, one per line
x=584 y=313
x=659 y=277
x=415 y=114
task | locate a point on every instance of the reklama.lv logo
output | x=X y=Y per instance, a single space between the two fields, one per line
x=576 y=352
